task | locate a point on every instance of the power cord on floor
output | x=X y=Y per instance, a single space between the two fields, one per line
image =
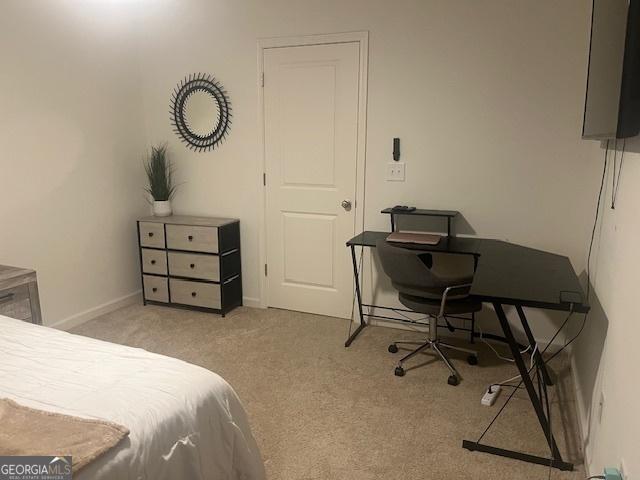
x=504 y=405
x=506 y=359
x=505 y=383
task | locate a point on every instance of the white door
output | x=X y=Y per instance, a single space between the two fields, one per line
x=311 y=129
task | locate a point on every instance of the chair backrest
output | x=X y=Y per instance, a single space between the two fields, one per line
x=410 y=272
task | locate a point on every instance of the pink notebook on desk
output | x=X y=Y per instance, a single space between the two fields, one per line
x=419 y=238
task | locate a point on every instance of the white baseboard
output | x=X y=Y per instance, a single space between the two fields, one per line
x=251 y=302
x=82 y=317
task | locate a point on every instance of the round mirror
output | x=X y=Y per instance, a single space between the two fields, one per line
x=200 y=112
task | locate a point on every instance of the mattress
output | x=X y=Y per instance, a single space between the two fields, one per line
x=185 y=422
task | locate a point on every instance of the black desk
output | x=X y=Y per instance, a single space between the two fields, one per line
x=421 y=212
x=506 y=274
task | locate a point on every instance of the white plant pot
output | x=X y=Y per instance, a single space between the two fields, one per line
x=162 y=209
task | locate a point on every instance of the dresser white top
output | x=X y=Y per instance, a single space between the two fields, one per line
x=189 y=220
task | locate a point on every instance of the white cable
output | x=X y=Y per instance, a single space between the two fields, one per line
x=495 y=351
x=533 y=354
x=519 y=376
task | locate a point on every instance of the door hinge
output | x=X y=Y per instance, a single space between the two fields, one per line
x=264 y=179
x=262 y=79
x=265 y=269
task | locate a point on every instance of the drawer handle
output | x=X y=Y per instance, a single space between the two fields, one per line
x=153 y=262
x=190 y=237
x=193 y=294
x=6 y=298
x=151 y=234
x=154 y=289
x=193 y=265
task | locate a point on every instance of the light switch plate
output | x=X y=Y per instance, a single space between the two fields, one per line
x=395 y=172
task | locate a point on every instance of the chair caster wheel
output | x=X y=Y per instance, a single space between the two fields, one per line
x=399 y=372
x=472 y=359
x=453 y=380
x=393 y=348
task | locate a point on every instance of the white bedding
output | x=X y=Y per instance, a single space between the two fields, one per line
x=185 y=421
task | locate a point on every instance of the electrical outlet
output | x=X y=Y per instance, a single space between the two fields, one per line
x=395 y=172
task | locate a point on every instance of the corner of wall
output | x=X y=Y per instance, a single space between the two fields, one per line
x=83 y=317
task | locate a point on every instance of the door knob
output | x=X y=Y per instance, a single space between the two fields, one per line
x=346 y=204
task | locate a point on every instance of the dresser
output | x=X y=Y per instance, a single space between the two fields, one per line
x=191 y=262
x=19 y=294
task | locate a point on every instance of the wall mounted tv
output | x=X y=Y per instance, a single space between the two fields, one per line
x=612 y=105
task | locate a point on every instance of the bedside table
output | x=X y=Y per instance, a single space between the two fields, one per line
x=191 y=262
x=19 y=297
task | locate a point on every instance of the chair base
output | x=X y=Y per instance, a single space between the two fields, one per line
x=437 y=346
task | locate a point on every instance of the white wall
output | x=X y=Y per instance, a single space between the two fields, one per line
x=605 y=361
x=70 y=150
x=486 y=97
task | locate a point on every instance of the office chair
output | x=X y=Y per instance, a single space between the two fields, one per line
x=422 y=291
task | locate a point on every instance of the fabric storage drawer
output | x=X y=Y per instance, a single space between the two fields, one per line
x=192 y=238
x=154 y=261
x=194 y=265
x=198 y=294
x=155 y=288
x=151 y=234
x=191 y=262
x=16 y=303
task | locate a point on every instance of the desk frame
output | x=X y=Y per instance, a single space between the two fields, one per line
x=539 y=399
x=448 y=214
x=362 y=315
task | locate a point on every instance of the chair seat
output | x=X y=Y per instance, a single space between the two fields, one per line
x=432 y=307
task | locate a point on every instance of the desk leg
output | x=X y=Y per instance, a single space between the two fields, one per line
x=556 y=459
x=356 y=278
x=532 y=343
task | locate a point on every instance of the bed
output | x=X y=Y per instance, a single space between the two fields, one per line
x=185 y=422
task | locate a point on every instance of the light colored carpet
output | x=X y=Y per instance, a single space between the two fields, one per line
x=322 y=411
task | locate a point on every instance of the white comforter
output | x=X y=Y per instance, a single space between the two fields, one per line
x=186 y=422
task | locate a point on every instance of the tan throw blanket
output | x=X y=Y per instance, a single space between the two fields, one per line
x=27 y=431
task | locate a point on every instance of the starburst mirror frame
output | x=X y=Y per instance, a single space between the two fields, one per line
x=198 y=84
